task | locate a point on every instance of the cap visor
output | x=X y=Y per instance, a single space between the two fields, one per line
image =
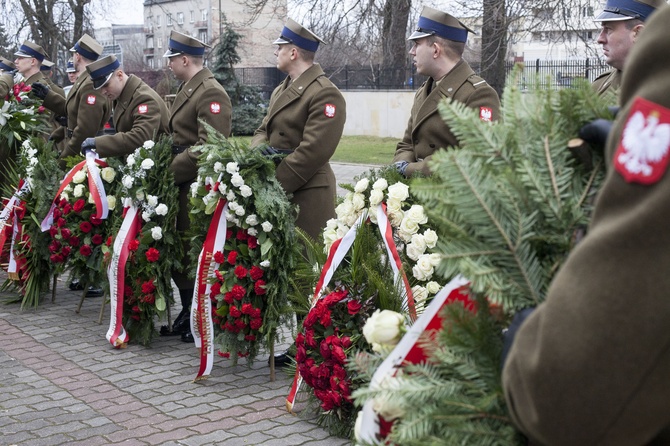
x=100 y=82
x=606 y=16
x=22 y=54
x=280 y=41
x=170 y=53
x=419 y=35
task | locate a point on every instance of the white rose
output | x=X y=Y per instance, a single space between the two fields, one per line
x=384 y=327
x=139 y=195
x=419 y=242
x=404 y=236
x=64 y=196
x=408 y=225
x=251 y=220
x=152 y=200
x=267 y=226
x=398 y=191
x=372 y=214
x=362 y=185
x=358 y=201
x=111 y=202
x=393 y=205
x=148 y=144
x=414 y=251
x=161 y=209
x=127 y=181
x=433 y=287
x=79 y=177
x=329 y=237
x=386 y=405
x=194 y=189
x=252 y=231
x=380 y=184
x=230 y=216
x=78 y=190
x=147 y=164
x=435 y=259
x=130 y=160
x=423 y=270
x=417 y=214
x=420 y=294
x=342 y=230
x=218 y=167
x=376 y=197
x=68 y=188
x=232 y=168
x=245 y=191
x=395 y=218
x=108 y=174
x=223 y=188
x=331 y=224
x=156 y=233
x=344 y=210
x=430 y=237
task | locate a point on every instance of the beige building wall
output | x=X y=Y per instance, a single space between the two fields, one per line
x=377 y=113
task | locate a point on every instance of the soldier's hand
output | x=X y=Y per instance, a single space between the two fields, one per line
x=269 y=151
x=87 y=145
x=40 y=90
x=401 y=166
x=510 y=332
x=595 y=132
x=62 y=120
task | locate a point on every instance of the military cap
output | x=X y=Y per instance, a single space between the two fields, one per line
x=30 y=49
x=182 y=44
x=87 y=47
x=296 y=34
x=437 y=23
x=618 y=10
x=47 y=65
x=70 y=67
x=6 y=64
x=101 y=70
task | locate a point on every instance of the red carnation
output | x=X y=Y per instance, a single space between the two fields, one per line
x=234 y=312
x=85 y=227
x=250 y=338
x=67 y=208
x=79 y=205
x=229 y=233
x=109 y=241
x=232 y=256
x=219 y=257
x=152 y=255
x=148 y=287
x=240 y=272
x=247 y=308
x=259 y=288
x=135 y=309
x=353 y=306
x=219 y=276
x=127 y=291
x=215 y=290
x=241 y=235
x=238 y=292
x=97 y=239
x=85 y=250
x=255 y=273
x=224 y=354
x=256 y=323
x=252 y=242
x=74 y=241
x=133 y=245
x=95 y=221
x=228 y=297
x=150 y=298
x=256 y=313
x=240 y=324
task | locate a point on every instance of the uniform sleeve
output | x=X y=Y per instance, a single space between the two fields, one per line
x=55 y=102
x=321 y=135
x=145 y=125
x=260 y=135
x=6 y=84
x=591 y=365
x=92 y=114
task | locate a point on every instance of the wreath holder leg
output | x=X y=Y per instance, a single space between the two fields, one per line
x=81 y=301
x=102 y=307
x=53 y=288
x=272 y=362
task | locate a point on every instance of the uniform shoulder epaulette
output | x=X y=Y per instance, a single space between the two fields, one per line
x=477 y=81
x=603 y=75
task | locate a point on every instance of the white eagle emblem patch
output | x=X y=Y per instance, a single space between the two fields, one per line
x=329 y=110
x=90 y=100
x=142 y=109
x=485 y=114
x=643 y=152
x=215 y=108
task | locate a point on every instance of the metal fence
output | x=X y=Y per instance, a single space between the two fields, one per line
x=549 y=73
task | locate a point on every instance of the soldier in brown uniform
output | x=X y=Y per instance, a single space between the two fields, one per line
x=622 y=21
x=29 y=59
x=591 y=365
x=7 y=69
x=305 y=121
x=86 y=109
x=139 y=113
x=437 y=49
x=46 y=68
x=200 y=97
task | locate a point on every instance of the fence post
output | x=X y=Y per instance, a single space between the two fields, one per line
x=587 y=69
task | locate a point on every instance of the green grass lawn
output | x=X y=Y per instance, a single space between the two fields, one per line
x=360 y=149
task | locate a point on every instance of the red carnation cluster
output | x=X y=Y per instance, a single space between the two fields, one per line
x=19 y=88
x=322 y=346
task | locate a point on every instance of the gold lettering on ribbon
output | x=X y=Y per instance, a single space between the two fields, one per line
x=205 y=329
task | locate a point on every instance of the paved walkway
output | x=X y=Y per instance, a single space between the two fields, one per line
x=62 y=383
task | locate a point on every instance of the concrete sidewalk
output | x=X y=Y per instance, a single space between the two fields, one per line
x=62 y=383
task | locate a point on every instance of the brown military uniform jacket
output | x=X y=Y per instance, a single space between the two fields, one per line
x=591 y=366
x=306 y=116
x=426 y=130
x=608 y=82
x=87 y=111
x=54 y=86
x=6 y=84
x=139 y=115
x=201 y=98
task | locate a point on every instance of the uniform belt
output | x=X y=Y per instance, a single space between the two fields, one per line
x=177 y=149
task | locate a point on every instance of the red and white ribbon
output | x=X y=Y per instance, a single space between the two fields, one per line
x=386 y=231
x=338 y=250
x=202 y=327
x=7 y=214
x=408 y=350
x=116 y=273
x=94 y=185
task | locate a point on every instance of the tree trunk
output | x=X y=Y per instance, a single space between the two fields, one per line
x=394 y=43
x=494 y=43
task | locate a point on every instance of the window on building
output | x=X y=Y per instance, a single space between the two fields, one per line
x=150 y=62
x=202 y=35
x=587 y=11
x=192 y=16
x=159 y=43
x=203 y=13
x=168 y=19
x=180 y=18
x=158 y=21
x=150 y=42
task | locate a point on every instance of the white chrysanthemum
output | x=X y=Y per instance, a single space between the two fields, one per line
x=265 y=264
x=79 y=177
x=127 y=181
x=240 y=211
x=79 y=190
x=161 y=209
x=146 y=215
x=267 y=226
x=147 y=163
x=152 y=200
x=223 y=188
x=251 y=220
x=246 y=191
x=140 y=195
x=362 y=185
x=148 y=144
x=233 y=205
x=232 y=168
x=156 y=233
x=218 y=167
x=237 y=180
x=230 y=195
x=130 y=160
x=252 y=231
